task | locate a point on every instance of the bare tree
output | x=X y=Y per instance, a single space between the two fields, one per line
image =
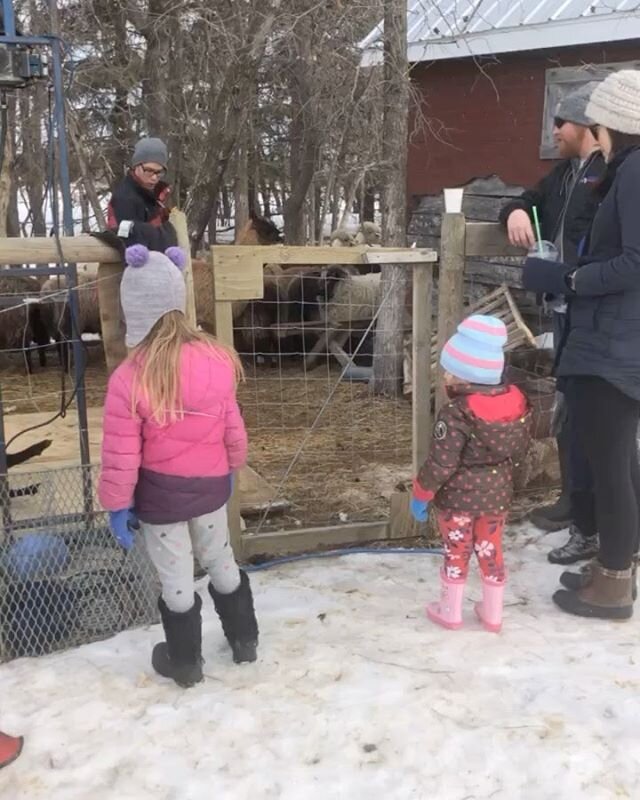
x=387 y=362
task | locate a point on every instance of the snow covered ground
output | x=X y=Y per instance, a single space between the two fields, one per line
x=356 y=695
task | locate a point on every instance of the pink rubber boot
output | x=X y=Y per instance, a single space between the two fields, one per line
x=489 y=611
x=448 y=610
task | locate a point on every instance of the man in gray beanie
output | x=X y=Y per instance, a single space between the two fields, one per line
x=566 y=203
x=139 y=208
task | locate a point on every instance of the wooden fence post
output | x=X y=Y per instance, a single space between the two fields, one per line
x=421 y=355
x=179 y=221
x=450 y=286
x=111 y=319
x=224 y=333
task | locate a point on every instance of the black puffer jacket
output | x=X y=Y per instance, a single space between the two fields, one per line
x=553 y=195
x=147 y=210
x=603 y=336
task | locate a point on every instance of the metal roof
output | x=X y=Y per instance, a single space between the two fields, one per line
x=439 y=29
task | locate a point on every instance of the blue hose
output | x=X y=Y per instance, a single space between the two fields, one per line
x=347 y=551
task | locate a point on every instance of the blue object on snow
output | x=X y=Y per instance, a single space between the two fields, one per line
x=37 y=555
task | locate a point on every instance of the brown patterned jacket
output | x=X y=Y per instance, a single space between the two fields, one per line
x=478 y=438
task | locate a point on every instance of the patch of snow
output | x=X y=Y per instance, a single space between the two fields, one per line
x=355 y=695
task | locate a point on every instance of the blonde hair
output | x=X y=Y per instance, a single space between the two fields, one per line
x=157 y=362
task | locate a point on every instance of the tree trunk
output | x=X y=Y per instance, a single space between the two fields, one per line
x=335 y=208
x=213 y=225
x=7 y=170
x=318 y=222
x=156 y=82
x=13 y=216
x=368 y=202
x=241 y=186
x=84 y=211
x=388 y=347
x=119 y=151
x=226 y=205
x=85 y=173
x=305 y=136
x=301 y=167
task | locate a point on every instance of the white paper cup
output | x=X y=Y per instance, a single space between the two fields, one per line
x=453 y=200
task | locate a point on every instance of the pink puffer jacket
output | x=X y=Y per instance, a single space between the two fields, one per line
x=180 y=470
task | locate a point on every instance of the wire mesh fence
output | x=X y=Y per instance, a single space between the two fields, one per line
x=329 y=450
x=63 y=578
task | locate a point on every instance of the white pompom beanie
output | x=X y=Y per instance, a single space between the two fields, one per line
x=615 y=103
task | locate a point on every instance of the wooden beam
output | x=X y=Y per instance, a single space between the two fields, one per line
x=488 y=239
x=285 y=254
x=43 y=250
x=404 y=256
x=310 y=539
x=237 y=275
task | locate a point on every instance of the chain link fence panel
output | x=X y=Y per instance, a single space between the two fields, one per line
x=64 y=580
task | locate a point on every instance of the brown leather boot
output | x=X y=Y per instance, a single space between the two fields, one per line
x=607 y=595
x=578 y=580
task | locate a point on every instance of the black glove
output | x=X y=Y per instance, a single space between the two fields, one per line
x=549 y=277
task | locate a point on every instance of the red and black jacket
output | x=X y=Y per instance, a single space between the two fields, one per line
x=147 y=210
x=479 y=437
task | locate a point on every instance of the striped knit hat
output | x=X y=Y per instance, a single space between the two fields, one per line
x=475 y=353
x=615 y=103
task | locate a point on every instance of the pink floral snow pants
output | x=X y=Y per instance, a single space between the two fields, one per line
x=462 y=534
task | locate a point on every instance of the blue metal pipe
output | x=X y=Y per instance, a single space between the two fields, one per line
x=72 y=275
x=9 y=18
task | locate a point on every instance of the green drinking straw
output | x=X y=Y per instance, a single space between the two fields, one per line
x=536 y=222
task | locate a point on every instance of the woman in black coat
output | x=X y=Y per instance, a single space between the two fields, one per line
x=599 y=361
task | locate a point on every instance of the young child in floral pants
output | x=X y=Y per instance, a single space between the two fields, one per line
x=477 y=439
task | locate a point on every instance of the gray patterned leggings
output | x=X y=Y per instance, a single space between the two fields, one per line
x=171 y=549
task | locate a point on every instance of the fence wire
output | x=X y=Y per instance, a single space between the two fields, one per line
x=327 y=449
x=64 y=580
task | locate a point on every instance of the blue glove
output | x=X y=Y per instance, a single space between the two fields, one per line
x=543 y=276
x=419 y=509
x=122 y=524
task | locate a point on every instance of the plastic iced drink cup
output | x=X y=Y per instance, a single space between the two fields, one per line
x=544 y=249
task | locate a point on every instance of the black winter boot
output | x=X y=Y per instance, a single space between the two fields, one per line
x=180 y=657
x=578 y=548
x=574 y=581
x=238 y=619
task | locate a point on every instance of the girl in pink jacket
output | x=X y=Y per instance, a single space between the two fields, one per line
x=173 y=438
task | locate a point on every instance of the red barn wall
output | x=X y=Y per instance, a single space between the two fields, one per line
x=491 y=123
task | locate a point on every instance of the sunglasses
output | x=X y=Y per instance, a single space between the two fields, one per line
x=157 y=173
x=595 y=130
x=558 y=122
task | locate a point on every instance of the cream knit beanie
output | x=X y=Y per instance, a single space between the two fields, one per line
x=615 y=103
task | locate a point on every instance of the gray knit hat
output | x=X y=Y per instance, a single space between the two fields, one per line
x=573 y=108
x=615 y=103
x=150 y=150
x=152 y=285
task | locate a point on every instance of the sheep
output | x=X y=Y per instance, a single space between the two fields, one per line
x=21 y=326
x=252 y=318
x=56 y=311
x=342 y=238
x=370 y=234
